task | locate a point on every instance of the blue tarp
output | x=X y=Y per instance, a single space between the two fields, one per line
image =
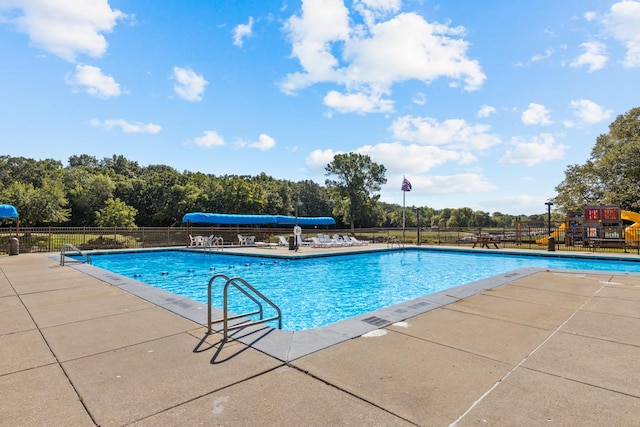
x=8 y=212
x=233 y=219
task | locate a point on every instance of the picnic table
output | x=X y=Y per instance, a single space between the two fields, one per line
x=614 y=243
x=486 y=242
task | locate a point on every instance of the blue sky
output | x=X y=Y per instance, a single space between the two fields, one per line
x=478 y=104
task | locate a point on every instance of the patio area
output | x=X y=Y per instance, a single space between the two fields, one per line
x=552 y=348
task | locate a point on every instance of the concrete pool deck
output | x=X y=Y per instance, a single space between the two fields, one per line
x=553 y=348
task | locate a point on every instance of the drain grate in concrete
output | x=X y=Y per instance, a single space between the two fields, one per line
x=376 y=321
x=419 y=305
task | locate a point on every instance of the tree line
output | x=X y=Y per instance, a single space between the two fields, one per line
x=116 y=191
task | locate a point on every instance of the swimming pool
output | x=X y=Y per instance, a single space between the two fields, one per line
x=317 y=291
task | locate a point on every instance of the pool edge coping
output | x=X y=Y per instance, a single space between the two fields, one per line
x=288 y=346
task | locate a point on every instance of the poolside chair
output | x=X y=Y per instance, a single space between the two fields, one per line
x=246 y=240
x=196 y=241
x=348 y=241
x=267 y=245
x=317 y=243
x=282 y=241
x=339 y=241
x=302 y=242
x=325 y=239
x=358 y=242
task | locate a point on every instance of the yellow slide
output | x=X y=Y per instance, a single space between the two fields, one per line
x=555 y=234
x=632 y=232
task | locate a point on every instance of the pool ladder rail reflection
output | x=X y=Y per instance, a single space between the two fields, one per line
x=74 y=251
x=250 y=292
x=394 y=241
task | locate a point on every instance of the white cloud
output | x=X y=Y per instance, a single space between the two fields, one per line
x=65 y=28
x=450 y=184
x=318 y=159
x=311 y=34
x=127 y=127
x=371 y=10
x=547 y=54
x=209 y=139
x=93 y=82
x=589 y=111
x=411 y=158
x=241 y=32
x=538 y=149
x=536 y=114
x=623 y=21
x=419 y=98
x=486 y=111
x=370 y=61
x=190 y=86
x=264 y=142
x=589 y=16
x=594 y=56
x=454 y=133
x=359 y=103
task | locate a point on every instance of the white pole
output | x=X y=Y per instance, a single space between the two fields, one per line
x=404 y=193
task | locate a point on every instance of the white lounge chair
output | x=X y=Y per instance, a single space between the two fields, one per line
x=267 y=245
x=348 y=241
x=339 y=241
x=282 y=241
x=358 y=242
x=325 y=239
x=317 y=243
x=302 y=242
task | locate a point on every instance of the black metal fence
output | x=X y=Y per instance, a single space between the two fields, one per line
x=51 y=239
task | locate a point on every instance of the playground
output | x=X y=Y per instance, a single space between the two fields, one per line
x=602 y=226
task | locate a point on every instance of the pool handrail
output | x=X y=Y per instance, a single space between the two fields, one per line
x=241 y=287
x=226 y=278
x=63 y=253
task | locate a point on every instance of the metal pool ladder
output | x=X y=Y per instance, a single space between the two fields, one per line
x=250 y=292
x=214 y=244
x=68 y=246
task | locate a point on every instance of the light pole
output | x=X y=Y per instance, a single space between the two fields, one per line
x=550 y=240
x=418 y=225
x=296 y=205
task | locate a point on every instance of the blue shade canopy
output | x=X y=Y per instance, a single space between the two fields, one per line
x=8 y=212
x=233 y=219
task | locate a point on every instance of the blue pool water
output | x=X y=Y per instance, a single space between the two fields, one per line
x=313 y=292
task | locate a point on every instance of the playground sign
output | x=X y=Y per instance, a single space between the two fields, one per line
x=602 y=214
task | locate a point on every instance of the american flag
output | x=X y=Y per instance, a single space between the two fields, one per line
x=406 y=185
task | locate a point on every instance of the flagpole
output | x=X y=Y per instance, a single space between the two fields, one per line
x=404 y=194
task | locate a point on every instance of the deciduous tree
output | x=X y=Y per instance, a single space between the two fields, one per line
x=611 y=174
x=353 y=191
